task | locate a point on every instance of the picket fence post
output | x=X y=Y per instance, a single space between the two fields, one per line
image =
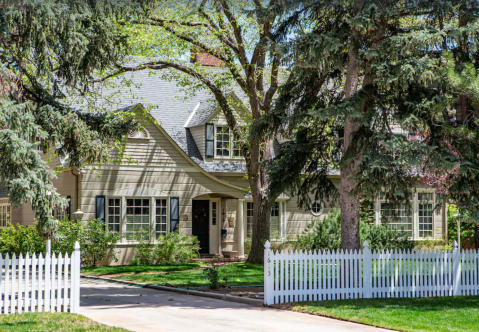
x=268 y=275
x=456 y=269
x=75 y=280
x=367 y=271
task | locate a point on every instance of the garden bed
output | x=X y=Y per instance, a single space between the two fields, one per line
x=438 y=314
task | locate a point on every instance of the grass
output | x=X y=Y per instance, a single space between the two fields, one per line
x=104 y=270
x=436 y=314
x=238 y=274
x=52 y=322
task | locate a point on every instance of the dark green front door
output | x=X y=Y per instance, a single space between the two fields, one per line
x=201 y=224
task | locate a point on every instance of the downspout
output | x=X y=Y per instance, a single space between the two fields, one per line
x=78 y=215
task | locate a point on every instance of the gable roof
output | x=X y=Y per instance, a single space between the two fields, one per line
x=173 y=108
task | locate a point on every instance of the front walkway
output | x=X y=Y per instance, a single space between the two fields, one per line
x=142 y=309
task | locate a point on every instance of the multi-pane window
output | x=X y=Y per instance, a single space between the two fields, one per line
x=213 y=213
x=114 y=212
x=222 y=141
x=226 y=144
x=60 y=213
x=397 y=216
x=5 y=215
x=137 y=216
x=416 y=218
x=274 y=223
x=161 y=218
x=425 y=214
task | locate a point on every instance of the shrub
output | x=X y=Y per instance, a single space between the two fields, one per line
x=215 y=281
x=96 y=244
x=169 y=248
x=326 y=234
x=20 y=239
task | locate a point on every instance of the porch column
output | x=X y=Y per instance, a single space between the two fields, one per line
x=240 y=227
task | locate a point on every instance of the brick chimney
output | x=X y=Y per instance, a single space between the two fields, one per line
x=205 y=59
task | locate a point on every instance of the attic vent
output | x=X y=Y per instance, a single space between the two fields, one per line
x=142 y=133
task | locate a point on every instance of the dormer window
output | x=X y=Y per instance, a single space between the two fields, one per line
x=220 y=142
x=139 y=134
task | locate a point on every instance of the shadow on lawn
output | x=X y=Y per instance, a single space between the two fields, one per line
x=409 y=304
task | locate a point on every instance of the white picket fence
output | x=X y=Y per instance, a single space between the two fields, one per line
x=351 y=274
x=40 y=284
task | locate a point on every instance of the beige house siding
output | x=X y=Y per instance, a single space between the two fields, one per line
x=65 y=185
x=198 y=134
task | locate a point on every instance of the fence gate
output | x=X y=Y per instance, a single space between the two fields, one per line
x=349 y=274
x=40 y=284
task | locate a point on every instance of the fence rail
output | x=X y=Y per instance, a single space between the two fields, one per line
x=37 y=283
x=350 y=274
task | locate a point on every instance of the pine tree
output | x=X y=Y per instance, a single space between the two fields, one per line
x=367 y=74
x=50 y=50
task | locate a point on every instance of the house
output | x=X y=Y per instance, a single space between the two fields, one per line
x=185 y=173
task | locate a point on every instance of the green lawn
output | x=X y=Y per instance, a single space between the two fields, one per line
x=238 y=274
x=421 y=314
x=103 y=270
x=52 y=322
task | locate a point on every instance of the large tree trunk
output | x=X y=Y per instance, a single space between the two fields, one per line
x=261 y=203
x=476 y=236
x=349 y=204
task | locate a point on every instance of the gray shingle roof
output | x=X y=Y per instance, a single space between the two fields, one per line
x=171 y=106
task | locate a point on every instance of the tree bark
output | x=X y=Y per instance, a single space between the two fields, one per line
x=349 y=204
x=476 y=236
x=262 y=204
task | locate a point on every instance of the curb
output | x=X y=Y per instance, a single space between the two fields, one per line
x=224 y=297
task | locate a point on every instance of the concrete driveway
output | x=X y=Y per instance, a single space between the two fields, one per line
x=142 y=309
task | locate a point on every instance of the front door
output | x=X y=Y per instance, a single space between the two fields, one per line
x=201 y=224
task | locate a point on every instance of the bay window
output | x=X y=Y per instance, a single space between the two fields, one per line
x=416 y=219
x=128 y=215
x=137 y=216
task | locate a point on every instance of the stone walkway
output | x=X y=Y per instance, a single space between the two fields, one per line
x=142 y=309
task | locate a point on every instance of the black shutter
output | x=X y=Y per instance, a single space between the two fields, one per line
x=69 y=207
x=100 y=208
x=210 y=140
x=174 y=213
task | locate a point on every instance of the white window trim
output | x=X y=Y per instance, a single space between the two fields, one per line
x=152 y=215
x=316 y=214
x=415 y=219
x=231 y=143
x=10 y=215
x=282 y=219
x=134 y=134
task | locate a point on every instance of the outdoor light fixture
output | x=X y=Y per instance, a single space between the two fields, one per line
x=78 y=215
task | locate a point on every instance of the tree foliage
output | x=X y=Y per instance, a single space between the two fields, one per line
x=49 y=52
x=384 y=92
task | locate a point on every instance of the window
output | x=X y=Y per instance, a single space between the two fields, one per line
x=226 y=144
x=222 y=141
x=114 y=215
x=161 y=217
x=425 y=214
x=60 y=213
x=398 y=217
x=140 y=133
x=274 y=223
x=137 y=216
x=416 y=218
x=213 y=213
x=5 y=215
x=316 y=209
